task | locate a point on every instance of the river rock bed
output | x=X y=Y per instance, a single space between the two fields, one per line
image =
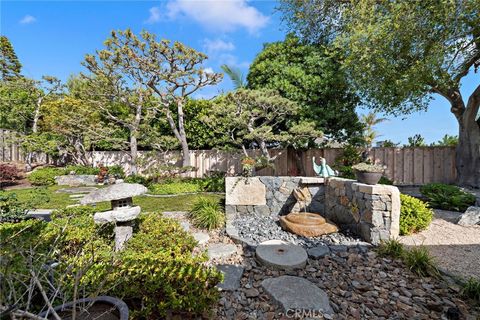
x=359 y=284
x=257 y=228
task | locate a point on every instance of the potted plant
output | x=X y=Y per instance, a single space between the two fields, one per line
x=248 y=167
x=368 y=173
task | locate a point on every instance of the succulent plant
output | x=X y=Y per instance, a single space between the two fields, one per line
x=365 y=167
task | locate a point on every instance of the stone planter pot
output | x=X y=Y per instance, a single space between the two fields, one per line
x=99 y=308
x=370 y=178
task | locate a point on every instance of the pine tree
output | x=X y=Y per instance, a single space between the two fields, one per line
x=10 y=67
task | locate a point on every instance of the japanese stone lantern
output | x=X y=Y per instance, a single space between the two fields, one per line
x=123 y=212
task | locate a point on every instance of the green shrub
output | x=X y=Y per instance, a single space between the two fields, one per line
x=214 y=182
x=392 y=248
x=13 y=210
x=419 y=260
x=207 y=214
x=79 y=169
x=45 y=176
x=415 y=215
x=175 y=187
x=447 y=197
x=136 y=178
x=471 y=289
x=116 y=171
x=385 y=180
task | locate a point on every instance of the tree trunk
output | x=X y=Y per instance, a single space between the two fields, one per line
x=468 y=148
x=183 y=136
x=36 y=115
x=133 y=153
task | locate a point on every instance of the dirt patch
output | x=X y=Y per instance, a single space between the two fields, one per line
x=455 y=248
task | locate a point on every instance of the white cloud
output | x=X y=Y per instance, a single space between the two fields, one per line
x=213 y=46
x=219 y=15
x=155 y=15
x=232 y=60
x=208 y=70
x=27 y=19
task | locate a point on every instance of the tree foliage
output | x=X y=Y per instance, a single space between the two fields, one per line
x=10 y=66
x=310 y=75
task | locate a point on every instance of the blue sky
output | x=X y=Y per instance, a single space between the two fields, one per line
x=52 y=37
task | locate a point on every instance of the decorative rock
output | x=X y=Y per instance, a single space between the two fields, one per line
x=318 y=252
x=251 y=293
x=295 y=293
x=125 y=214
x=231 y=276
x=76 y=180
x=221 y=250
x=201 y=237
x=281 y=255
x=43 y=214
x=245 y=191
x=114 y=192
x=307 y=224
x=470 y=217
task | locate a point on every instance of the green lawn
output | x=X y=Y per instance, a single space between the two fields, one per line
x=148 y=204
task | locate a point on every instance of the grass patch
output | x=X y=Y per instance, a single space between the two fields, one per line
x=207 y=214
x=392 y=248
x=148 y=204
x=471 y=289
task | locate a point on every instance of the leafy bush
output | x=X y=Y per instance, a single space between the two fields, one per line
x=78 y=169
x=392 y=248
x=175 y=187
x=415 y=215
x=419 y=260
x=14 y=210
x=214 y=182
x=207 y=214
x=471 y=289
x=116 y=171
x=45 y=176
x=156 y=272
x=8 y=173
x=385 y=180
x=136 y=178
x=447 y=197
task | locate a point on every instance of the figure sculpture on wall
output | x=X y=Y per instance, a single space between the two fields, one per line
x=323 y=170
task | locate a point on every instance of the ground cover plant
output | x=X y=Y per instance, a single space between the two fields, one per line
x=155 y=273
x=415 y=215
x=447 y=197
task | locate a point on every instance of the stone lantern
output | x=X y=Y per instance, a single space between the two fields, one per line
x=123 y=211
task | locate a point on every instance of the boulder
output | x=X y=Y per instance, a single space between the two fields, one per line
x=307 y=224
x=74 y=180
x=114 y=192
x=471 y=217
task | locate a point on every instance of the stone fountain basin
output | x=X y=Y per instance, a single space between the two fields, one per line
x=307 y=224
x=118 y=215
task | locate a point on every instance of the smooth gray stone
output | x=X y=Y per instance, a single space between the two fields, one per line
x=76 y=190
x=43 y=214
x=232 y=275
x=281 y=255
x=338 y=248
x=295 y=293
x=318 y=252
x=114 y=192
x=201 y=237
x=471 y=217
x=76 y=180
x=221 y=250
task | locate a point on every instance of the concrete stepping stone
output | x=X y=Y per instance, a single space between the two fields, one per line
x=221 y=250
x=76 y=196
x=318 y=252
x=231 y=276
x=298 y=294
x=201 y=237
x=43 y=214
x=281 y=255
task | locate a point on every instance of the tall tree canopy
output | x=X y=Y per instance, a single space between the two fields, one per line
x=10 y=66
x=310 y=75
x=399 y=53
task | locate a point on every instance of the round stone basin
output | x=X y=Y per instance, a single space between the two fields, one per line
x=306 y=218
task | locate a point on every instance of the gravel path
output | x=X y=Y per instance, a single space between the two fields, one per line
x=456 y=248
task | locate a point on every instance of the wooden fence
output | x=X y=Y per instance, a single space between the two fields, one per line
x=405 y=166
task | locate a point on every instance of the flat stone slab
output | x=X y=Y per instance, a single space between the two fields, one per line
x=318 y=252
x=242 y=191
x=119 y=215
x=231 y=276
x=114 y=192
x=76 y=180
x=44 y=214
x=281 y=255
x=295 y=293
x=201 y=237
x=76 y=190
x=221 y=250
x=471 y=217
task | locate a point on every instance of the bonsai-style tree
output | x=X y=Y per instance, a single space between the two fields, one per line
x=400 y=53
x=140 y=69
x=10 y=66
x=261 y=119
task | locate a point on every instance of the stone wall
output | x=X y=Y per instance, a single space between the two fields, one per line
x=372 y=212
